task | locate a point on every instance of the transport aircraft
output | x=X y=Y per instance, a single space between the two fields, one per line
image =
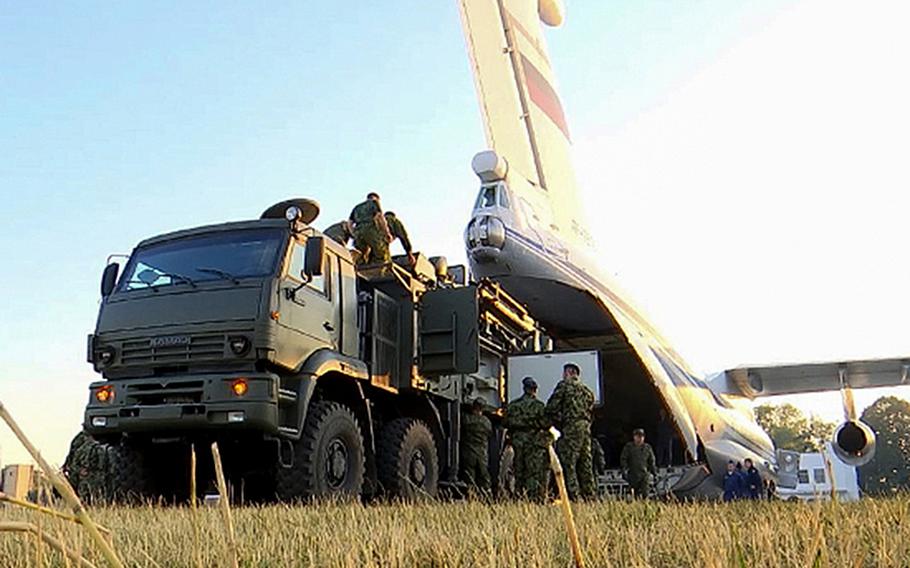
x=527 y=232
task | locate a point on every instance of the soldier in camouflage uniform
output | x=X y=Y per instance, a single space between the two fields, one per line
x=371 y=234
x=87 y=467
x=341 y=232
x=571 y=409
x=397 y=230
x=638 y=464
x=528 y=427
x=475 y=441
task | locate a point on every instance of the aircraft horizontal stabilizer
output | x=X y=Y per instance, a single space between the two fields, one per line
x=756 y=382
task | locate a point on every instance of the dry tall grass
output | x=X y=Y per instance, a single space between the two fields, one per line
x=869 y=533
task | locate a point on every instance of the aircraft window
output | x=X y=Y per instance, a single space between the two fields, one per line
x=819 y=475
x=487 y=197
x=803 y=476
x=503 y=198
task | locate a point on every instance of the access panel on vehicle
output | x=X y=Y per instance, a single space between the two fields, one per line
x=447 y=337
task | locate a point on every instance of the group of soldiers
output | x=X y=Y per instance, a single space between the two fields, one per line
x=570 y=409
x=372 y=230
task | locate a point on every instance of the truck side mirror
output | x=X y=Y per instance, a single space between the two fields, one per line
x=313 y=257
x=109 y=279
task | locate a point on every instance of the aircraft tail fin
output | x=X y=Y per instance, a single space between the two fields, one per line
x=523 y=114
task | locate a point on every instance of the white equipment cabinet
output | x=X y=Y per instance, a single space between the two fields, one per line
x=546 y=369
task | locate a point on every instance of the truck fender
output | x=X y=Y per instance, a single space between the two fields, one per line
x=326 y=361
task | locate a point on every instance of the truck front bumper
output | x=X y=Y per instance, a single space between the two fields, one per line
x=242 y=401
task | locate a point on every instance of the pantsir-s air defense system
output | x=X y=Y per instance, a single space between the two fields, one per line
x=316 y=377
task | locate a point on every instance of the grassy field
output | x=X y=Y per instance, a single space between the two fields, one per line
x=870 y=533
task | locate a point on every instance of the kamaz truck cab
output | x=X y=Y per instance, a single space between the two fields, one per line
x=317 y=378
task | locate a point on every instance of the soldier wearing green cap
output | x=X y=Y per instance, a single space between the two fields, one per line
x=341 y=232
x=371 y=233
x=571 y=409
x=397 y=230
x=528 y=428
x=475 y=441
x=638 y=464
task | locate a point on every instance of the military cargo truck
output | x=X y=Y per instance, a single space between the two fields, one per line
x=316 y=377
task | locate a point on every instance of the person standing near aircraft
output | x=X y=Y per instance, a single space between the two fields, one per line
x=397 y=230
x=638 y=464
x=733 y=483
x=571 y=409
x=527 y=424
x=753 y=483
x=371 y=233
x=475 y=441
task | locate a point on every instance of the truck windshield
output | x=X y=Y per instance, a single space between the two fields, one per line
x=217 y=256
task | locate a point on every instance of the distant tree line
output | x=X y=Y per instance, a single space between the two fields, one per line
x=889 y=418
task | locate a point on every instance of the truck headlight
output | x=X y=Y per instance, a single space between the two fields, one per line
x=239 y=345
x=105 y=355
x=105 y=394
x=99 y=421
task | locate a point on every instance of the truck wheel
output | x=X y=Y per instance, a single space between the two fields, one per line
x=328 y=458
x=131 y=479
x=408 y=466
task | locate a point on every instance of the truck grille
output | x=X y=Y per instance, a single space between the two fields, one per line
x=175 y=349
x=176 y=392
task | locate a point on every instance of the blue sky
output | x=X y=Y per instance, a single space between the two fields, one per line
x=119 y=121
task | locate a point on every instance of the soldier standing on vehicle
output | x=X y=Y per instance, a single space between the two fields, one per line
x=571 y=410
x=475 y=441
x=371 y=234
x=341 y=232
x=527 y=424
x=638 y=464
x=397 y=230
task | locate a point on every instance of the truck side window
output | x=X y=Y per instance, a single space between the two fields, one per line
x=321 y=284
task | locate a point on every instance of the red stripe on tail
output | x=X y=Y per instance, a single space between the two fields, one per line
x=543 y=95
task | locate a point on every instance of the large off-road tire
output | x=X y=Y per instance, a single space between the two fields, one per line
x=407 y=463
x=328 y=457
x=131 y=475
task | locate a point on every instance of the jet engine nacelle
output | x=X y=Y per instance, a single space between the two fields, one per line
x=854 y=443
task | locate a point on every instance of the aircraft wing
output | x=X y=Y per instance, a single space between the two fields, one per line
x=755 y=382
